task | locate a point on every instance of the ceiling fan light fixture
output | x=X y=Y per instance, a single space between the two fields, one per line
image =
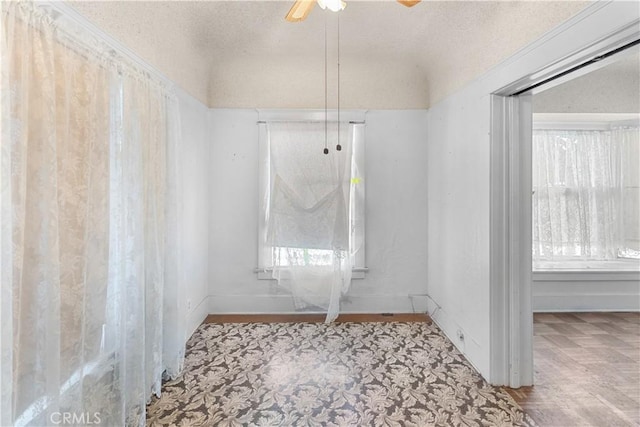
x=332 y=5
x=300 y=10
x=409 y=3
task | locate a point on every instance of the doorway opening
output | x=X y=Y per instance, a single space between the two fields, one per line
x=512 y=111
x=585 y=205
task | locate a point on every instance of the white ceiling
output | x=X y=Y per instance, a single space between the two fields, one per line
x=614 y=88
x=243 y=54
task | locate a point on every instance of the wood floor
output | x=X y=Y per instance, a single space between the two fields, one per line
x=587 y=370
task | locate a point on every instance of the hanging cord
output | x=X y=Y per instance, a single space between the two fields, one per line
x=339 y=147
x=326 y=120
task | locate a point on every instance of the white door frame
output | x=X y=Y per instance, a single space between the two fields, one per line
x=510 y=247
x=511 y=317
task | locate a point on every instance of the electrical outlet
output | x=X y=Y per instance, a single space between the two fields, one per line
x=460 y=335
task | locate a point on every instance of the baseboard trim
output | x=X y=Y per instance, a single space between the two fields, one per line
x=197 y=316
x=586 y=295
x=551 y=303
x=283 y=304
x=468 y=345
x=316 y=318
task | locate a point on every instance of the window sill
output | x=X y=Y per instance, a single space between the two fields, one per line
x=265 y=273
x=586 y=276
x=584 y=266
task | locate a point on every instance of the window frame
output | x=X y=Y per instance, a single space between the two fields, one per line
x=601 y=122
x=357 y=117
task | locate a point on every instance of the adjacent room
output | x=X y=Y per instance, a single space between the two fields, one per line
x=586 y=269
x=348 y=213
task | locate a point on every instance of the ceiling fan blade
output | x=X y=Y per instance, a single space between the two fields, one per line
x=409 y=3
x=300 y=10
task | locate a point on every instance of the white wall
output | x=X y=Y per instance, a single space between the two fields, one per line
x=396 y=206
x=195 y=208
x=556 y=291
x=458 y=164
x=458 y=190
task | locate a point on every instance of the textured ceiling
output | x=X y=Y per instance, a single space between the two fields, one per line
x=614 y=88
x=243 y=54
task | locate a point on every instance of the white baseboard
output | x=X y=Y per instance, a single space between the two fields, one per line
x=468 y=346
x=587 y=291
x=583 y=302
x=283 y=304
x=197 y=316
x=377 y=304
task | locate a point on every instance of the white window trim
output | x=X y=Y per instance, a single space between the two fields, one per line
x=583 y=121
x=264 y=270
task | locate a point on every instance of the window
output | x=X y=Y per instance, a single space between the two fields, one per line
x=585 y=194
x=308 y=236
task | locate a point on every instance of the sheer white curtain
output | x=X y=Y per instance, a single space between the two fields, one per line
x=90 y=300
x=578 y=194
x=308 y=215
x=629 y=139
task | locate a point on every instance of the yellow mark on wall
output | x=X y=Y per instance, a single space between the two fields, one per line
x=355 y=180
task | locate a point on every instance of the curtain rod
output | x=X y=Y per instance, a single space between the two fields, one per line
x=577 y=67
x=73 y=17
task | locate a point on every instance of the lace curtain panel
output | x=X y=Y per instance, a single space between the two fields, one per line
x=585 y=199
x=629 y=138
x=89 y=242
x=309 y=223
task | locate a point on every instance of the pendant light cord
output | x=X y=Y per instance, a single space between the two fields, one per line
x=326 y=120
x=339 y=147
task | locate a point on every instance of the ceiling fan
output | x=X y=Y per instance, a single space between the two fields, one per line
x=301 y=8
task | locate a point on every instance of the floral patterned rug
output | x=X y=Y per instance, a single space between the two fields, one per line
x=341 y=374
